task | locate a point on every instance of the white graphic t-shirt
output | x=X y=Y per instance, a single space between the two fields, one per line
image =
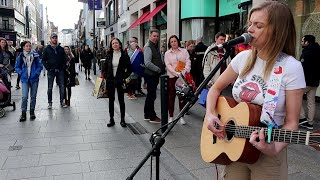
x=252 y=88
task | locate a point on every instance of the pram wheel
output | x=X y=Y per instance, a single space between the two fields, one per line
x=14 y=105
x=2 y=112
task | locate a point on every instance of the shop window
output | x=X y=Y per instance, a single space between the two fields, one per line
x=111 y=13
x=4 y=3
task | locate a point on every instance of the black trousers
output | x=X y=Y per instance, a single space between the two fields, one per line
x=112 y=89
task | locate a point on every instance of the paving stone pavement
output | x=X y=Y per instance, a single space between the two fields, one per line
x=75 y=143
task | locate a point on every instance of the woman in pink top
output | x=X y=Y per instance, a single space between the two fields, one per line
x=177 y=61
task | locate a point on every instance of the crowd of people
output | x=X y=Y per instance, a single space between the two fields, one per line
x=249 y=65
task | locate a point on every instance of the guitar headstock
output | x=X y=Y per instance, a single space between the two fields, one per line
x=314 y=140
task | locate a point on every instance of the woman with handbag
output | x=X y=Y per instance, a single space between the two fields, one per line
x=177 y=61
x=117 y=68
x=69 y=75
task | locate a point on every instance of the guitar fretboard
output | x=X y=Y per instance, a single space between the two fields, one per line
x=278 y=135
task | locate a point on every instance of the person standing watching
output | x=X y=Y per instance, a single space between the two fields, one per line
x=29 y=67
x=54 y=60
x=199 y=50
x=86 y=59
x=177 y=61
x=116 y=69
x=212 y=59
x=154 y=67
x=310 y=63
x=5 y=62
x=69 y=75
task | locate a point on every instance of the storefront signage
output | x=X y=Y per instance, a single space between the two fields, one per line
x=227 y=7
x=123 y=25
x=97 y=4
x=101 y=23
x=193 y=8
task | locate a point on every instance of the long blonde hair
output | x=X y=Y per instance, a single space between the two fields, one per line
x=281 y=24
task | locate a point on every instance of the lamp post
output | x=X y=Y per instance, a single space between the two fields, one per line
x=94 y=37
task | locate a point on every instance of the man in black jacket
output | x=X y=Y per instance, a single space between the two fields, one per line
x=199 y=50
x=54 y=60
x=310 y=59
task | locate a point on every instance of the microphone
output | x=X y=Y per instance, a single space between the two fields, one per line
x=244 y=38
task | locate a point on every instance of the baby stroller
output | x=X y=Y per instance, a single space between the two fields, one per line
x=5 y=92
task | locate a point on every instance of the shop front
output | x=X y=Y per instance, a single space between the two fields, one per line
x=204 y=18
x=198 y=19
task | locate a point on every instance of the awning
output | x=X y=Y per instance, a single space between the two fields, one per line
x=137 y=22
x=153 y=13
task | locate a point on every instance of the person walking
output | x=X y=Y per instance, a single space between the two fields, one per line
x=86 y=59
x=18 y=52
x=199 y=50
x=177 y=61
x=77 y=59
x=69 y=75
x=29 y=67
x=154 y=67
x=116 y=70
x=310 y=63
x=54 y=60
x=253 y=70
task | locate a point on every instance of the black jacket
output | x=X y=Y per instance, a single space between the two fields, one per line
x=310 y=60
x=54 y=58
x=86 y=58
x=123 y=70
x=70 y=74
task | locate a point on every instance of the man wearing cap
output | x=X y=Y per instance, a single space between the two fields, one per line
x=54 y=60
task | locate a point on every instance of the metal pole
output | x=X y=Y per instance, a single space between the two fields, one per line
x=94 y=38
x=94 y=23
x=164 y=91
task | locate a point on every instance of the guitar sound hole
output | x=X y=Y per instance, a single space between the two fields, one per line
x=230 y=130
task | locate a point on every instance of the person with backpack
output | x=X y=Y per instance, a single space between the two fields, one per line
x=29 y=67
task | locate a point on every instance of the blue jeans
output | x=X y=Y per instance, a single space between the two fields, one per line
x=152 y=82
x=25 y=94
x=60 y=80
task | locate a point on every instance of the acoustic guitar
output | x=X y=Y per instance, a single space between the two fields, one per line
x=240 y=120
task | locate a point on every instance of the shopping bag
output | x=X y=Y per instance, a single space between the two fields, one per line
x=103 y=91
x=100 y=90
x=203 y=97
x=76 y=79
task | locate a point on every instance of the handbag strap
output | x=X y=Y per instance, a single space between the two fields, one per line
x=272 y=94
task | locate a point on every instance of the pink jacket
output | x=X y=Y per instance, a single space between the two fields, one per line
x=171 y=59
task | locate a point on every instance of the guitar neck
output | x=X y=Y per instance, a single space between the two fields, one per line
x=278 y=135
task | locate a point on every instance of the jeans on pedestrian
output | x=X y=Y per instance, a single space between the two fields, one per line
x=152 y=82
x=60 y=80
x=33 y=87
x=311 y=104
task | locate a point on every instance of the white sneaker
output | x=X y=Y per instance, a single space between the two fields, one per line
x=170 y=120
x=182 y=121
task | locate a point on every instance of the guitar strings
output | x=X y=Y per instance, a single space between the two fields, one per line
x=294 y=135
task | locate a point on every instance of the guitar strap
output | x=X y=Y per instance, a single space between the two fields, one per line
x=271 y=97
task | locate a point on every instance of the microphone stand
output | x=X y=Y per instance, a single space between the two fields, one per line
x=158 y=140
